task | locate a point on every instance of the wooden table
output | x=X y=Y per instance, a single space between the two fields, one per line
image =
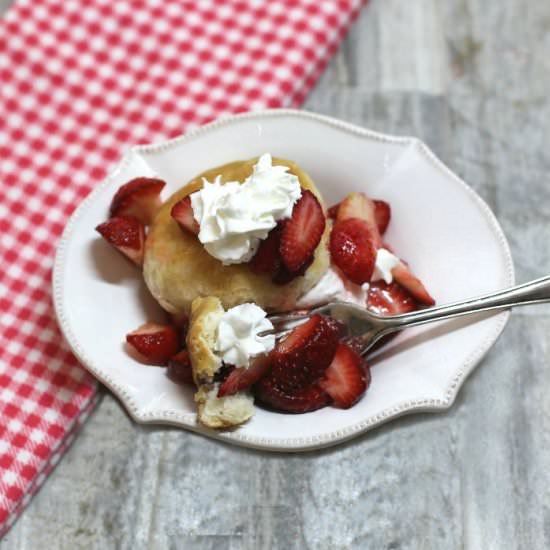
x=472 y=79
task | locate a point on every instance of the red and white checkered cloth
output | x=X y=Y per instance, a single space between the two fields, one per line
x=80 y=80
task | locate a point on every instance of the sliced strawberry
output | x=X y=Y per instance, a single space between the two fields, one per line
x=243 y=377
x=354 y=205
x=333 y=211
x=156 y=342
x=182 y=212
x=302 y=232
x=126 y=234
x=300 y=360
x=179 y=368
x=402 y=274
x=268 y=257
x=389 y=299
x=307 y=334
x=139 y=197
x=358 y=205
x=356 y=344
x=298 y=401
x=382 y=215
x=352 y=249
x=345 y=379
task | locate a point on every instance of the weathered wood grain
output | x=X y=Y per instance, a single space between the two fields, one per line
x=472 y=79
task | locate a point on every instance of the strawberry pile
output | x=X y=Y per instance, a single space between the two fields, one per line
x=132 y=210
x=311 y=368
x=314 y=366
x=359 y=224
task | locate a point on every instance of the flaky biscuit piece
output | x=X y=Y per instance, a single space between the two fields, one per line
x=212 y=411
x=206 y=314
x=177 y=269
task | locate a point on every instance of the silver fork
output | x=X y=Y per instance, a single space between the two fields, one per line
x=366 y=328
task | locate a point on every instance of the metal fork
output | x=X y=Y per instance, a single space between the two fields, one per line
x=366 y=328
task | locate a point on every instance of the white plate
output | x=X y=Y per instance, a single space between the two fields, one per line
x=439 y=225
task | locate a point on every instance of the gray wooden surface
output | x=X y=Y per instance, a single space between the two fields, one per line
x=471 y=78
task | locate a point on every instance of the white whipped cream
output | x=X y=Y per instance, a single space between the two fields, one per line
x=335 y=286
x=332 y=286
x=234 y=217
x=238 y=341
x=385 y=262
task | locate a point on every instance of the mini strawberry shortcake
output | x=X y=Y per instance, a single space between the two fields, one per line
x=242 y=240
x=248 y=231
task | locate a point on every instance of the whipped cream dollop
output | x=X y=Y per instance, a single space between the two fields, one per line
x=238 y=341
x=234 y=217
x=335 y=286
x=385 y=262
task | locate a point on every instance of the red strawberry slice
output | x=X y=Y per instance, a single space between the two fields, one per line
x=382 y=215
x=298 y=401
x=333 y=211
x=358 y=205
x=389 y=299
x=179 y=368
x=302 y=357
x=242 y=378
x=156 y=342
x=356 y=345
x=352 y=249
x=302 y=232
x=182 y=212
x=317 y=327
x=139 y=197
x=345 y=379
x=268 y=257
x=402 y=274
x=126 y=234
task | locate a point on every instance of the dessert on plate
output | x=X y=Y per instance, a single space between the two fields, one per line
x=234 y=221
x=240 y=241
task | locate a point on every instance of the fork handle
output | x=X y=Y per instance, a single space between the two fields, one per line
x=533 y=292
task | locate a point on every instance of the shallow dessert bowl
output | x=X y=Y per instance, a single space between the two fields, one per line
x=445 y=231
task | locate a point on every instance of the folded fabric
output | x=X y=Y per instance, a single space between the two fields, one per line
x=82 y=81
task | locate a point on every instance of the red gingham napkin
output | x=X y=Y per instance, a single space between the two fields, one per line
x=81 y=80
